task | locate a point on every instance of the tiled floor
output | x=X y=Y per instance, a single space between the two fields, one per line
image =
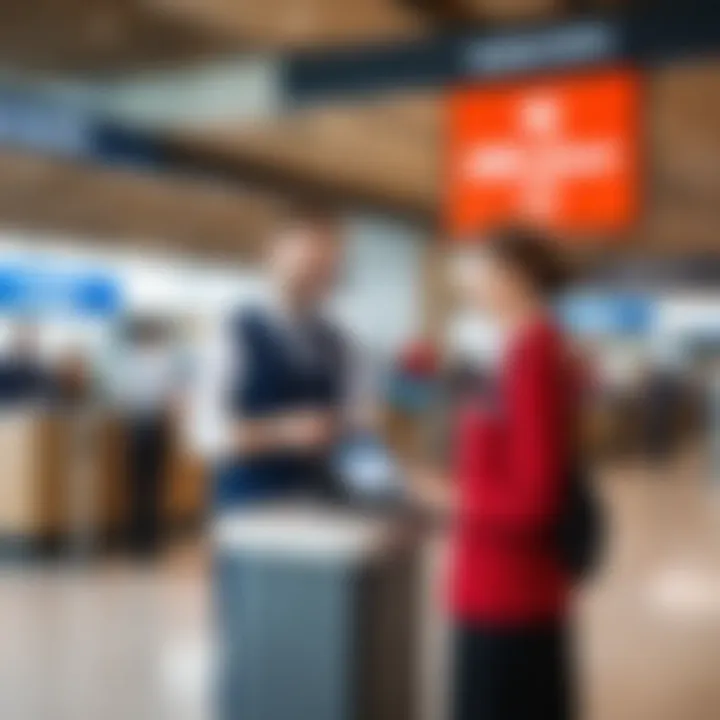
x=117 y=642
x=108 y=643
x=651 y=626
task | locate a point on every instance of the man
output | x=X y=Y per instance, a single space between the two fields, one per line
x=279 y=389
x=147 y=386
x=279 y=377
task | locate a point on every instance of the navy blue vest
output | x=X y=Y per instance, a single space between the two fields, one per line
x=276 y=377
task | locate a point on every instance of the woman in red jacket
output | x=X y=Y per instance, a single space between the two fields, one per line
x=514 y=450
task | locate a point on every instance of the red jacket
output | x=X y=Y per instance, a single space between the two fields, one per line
x=512 y=459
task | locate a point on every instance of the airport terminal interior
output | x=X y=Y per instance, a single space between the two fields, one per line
x=149 y=149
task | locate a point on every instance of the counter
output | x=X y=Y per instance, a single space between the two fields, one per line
x=63 y=483
x=317 y=615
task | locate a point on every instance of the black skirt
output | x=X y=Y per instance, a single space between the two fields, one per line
x=513 y=674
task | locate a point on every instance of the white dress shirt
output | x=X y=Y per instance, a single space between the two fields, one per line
x=146 y=380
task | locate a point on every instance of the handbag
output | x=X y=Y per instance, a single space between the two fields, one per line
x=582 y=528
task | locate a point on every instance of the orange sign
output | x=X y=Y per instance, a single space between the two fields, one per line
x=560 y=153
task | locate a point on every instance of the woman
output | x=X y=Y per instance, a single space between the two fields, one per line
x=514 y=438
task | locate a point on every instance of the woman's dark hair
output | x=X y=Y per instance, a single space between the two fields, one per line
x=531 y=254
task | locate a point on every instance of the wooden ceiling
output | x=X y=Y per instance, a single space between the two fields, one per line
x=301 y=23
x=382 y=154
x=683 y=156
x=101 y=35
x=393 y=148
x=308 y=23
x=118 y=35
x=385 y=155
x=136 y=210
x=493 y=11
x=112 y=35
x=385 y=152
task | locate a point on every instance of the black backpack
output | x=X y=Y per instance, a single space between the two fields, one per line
x=582 y=530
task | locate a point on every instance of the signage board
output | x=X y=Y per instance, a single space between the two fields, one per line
x=39 y=292
x=560 y=153
x=598 y=313
x=35 y=123
x=573 y=44
x=643 y=35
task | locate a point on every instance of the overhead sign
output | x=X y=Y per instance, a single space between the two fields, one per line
x=573 y=44
x=32 y=122
x=448 y=59
x=27 y=290
x=691 y=273
x=598 y=313
x=643 y=34
x=560 y=153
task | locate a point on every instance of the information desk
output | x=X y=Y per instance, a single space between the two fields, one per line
x=64 y=482
x=31 y=482
x=316 y=615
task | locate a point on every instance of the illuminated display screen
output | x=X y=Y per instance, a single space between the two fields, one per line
x=560 y=153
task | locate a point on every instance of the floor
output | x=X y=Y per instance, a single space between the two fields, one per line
x=116 y=641
x=651 y=625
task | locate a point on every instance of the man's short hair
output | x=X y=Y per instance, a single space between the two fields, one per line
x=308 y=213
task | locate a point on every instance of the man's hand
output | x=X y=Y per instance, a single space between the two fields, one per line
x=307 y=429
x=303 y=430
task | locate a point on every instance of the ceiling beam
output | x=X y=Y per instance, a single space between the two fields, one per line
x=265 y=175
x=189 y=216
x=445 y=12
x=91 y=36
x=466 y=14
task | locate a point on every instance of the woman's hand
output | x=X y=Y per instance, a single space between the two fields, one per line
x=431 y=489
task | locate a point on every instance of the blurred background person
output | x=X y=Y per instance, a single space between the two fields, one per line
x=72 y=385
x=514 y=455
x=23 y=379
x=148 y=387
x=663 y=394
x=708 y=386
